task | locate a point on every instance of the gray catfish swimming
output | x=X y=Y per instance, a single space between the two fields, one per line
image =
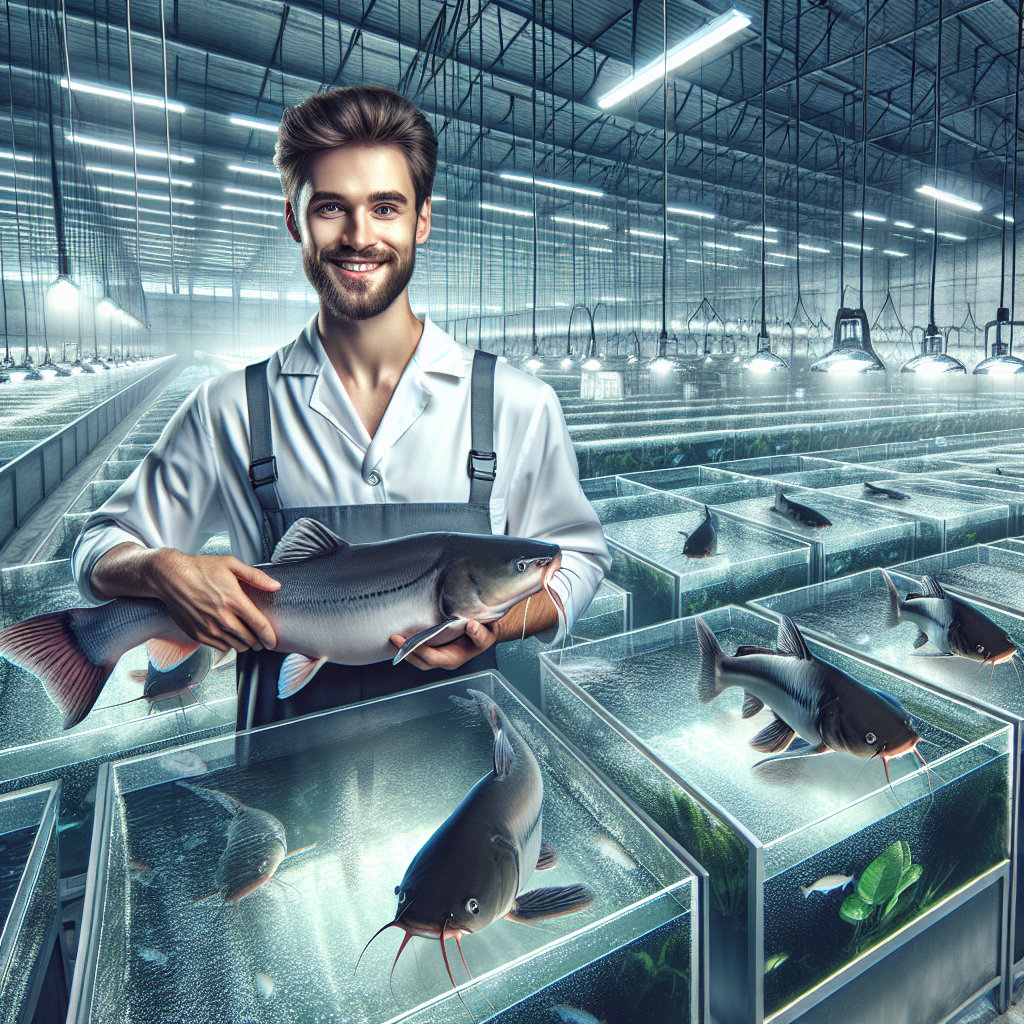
x=337 y=602
x=255 y=848
x=955 y=628
x=802 y=514
x=473 y=869
x=878 y=491
x=813 y=700
x=703 y=542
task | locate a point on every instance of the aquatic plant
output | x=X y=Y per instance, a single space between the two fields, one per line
x=661 y=971
x=719 y=851
x=880 y=890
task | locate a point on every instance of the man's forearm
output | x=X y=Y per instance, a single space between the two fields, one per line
x=538 y=611
x=125 y=571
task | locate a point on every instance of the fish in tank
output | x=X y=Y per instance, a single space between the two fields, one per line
x=803 y=515
x=878 y=491
x=703 y=541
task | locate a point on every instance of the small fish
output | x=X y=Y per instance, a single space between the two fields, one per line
x=572 y=1015
x=265 y=987
x=999 y=471
x=800 y=514
x=152 y=956
x=878 y=491
x=256 y=846
x=703 y=542
x=69 y=826
x=473 y=869
x=817 y=707
x=141 y=873
x=183 y=762
x=181 y=679
x=774 y=962
x=715 y=454
x=955 y=628
x=614 y=852
x=827 y=884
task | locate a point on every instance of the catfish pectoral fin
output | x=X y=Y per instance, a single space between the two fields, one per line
x=751 y=705
x=418 y=639
x=922 y=639
x=547 y=859
x=774 y=737
x=803 y=751
x=296 y=671
x=555 y=901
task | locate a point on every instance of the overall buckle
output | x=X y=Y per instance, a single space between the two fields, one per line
x=263 y=471
x=482 y=465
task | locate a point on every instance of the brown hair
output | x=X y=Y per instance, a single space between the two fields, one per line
x=366 y=114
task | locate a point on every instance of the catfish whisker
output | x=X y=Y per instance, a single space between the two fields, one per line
x=526 y=612
x=444 y=953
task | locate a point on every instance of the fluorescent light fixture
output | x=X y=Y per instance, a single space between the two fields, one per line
x=857 y=245
x=948 y=197
x=812 y=248
x=121 y=147
x=506 y=209
x=692 y=46
x=249 y=192
x=954 y=237
x=647 y=255
x=252 y=122
x=1004 y=216
x=861 y=214
x=5 y=155
x=143 y=195
x=253 y=169
x=756 y=238
x=581 y=223
x=722 y=245
x=651 y=234
x=694 y=213
x=597 y=248
x=928 y=231
x=160 y=178
x=123 y=94
x=783 y=256
x=438 y=199
x=249 y=209
x=903 y=224
x=241 y=223
x=769 y=263
x=893 y=252
x=560 y=185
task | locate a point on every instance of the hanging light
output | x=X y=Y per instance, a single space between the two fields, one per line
x=933 y=359
x=999 y=360
x=764 y=360
x=851 y=350
x=63 y=294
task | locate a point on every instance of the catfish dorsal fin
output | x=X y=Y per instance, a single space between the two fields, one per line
x=791 y=640
x=932 y=588
x=306 y=538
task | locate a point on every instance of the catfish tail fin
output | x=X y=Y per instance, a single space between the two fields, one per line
x=709 y=684
x=48 y=647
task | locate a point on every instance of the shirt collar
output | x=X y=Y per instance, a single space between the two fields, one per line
x=437 y=352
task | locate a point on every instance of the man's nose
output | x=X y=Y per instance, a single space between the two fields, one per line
x=359 y=232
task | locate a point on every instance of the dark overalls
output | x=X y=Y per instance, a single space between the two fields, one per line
x=335 y=685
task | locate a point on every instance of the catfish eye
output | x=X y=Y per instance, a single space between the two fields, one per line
x=472 y=906
x=400 y=893
x=870 y=738
x=521 y=565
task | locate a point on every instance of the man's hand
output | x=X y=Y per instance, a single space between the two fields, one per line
x=203 y=593
x=529 y=616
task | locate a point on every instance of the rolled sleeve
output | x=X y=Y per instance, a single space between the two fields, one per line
x=170 y=500
x=546 y=502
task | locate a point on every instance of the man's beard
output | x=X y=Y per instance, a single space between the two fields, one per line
x=348 y=299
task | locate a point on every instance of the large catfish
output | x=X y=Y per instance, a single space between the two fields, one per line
x=338 y=602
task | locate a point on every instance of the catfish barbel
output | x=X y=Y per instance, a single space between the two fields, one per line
x=338 y=602
x=473 y=869
x=813 y=700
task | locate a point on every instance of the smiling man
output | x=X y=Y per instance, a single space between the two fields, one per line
x=371 y=421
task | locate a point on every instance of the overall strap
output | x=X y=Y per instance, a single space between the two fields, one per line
x=263 y=467
x=483 y=462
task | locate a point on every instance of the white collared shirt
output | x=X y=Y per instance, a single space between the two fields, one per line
x=194 y=483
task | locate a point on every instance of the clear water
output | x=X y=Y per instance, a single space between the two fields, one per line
x=366 y=806
x=14 y=850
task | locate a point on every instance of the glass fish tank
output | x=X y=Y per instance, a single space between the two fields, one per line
x=674 y=561
x=855 y=614
x=248 y=878
x=29 y=904
x=817 y=864
x=610 y=612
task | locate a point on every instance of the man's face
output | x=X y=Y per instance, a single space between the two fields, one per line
x=356 y=219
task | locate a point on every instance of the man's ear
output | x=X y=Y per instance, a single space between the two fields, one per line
x=289 y=219
x=423 y=222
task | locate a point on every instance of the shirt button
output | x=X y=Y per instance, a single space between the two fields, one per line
x=373 y=478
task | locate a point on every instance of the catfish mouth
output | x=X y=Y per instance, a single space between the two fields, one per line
x=488 y=612
x=1001 y=659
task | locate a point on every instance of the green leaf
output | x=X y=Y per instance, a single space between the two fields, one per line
x=880 y=878
x=854 y=909
x=908 y=878
x=907 y=860
x=889 y=907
